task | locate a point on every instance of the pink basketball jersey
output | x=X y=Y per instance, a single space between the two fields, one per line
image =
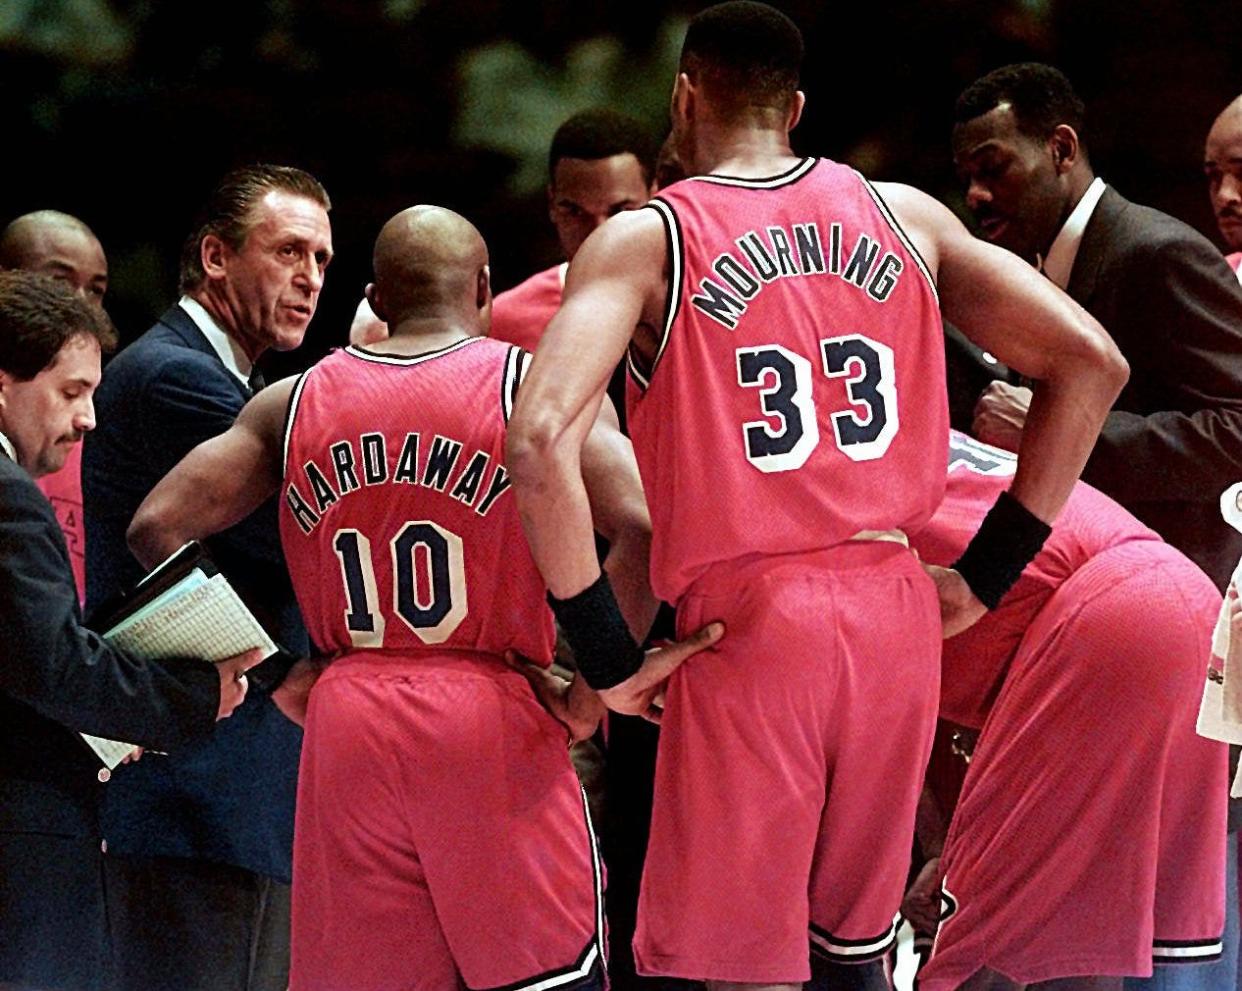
x=974 y=662
x=396 y=517
x=798 y=395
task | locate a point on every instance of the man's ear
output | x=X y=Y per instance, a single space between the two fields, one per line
x=551 y=202
x=211 y=254
x=684 y=93
x=483 y=287
x=795 y=110
x=6 y=388
x=373 y=297
x=1065 y=148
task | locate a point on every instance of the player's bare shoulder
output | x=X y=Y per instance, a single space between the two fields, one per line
x=925 y=220
x=631 y=247
x=623 y=269
x=266 y=414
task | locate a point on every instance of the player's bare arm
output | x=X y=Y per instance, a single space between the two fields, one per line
x=612 y=286
x=1006 y=307
x=619 y=512
x=615 y=288
x=1009 y=309
x=218 y=484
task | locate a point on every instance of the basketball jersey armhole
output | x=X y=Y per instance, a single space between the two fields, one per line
x=675 y=250
x=517 y=361
x=290 y=413
x=891 y=219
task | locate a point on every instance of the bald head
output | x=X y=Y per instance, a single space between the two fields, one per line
x=1222 y=164
x=430 y=263
x=60 y=246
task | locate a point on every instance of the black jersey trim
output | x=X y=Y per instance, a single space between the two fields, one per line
x=948 y=903
x=824 y=944
x=290 y=412
x=901 y=234
x=597 y=870
x=517 y=361
x=772 y=182
x=587 y=971
x=380 y=358
x=675 y=248
x=1179 y=951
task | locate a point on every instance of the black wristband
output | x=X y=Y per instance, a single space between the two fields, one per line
x=1008 y=540
x=604 y=649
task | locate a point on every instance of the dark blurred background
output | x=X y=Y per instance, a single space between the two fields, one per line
x=125 y=112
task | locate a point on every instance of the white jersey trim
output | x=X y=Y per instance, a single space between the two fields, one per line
x=672 y=305
x=773 y=182
x=1186 y=950
x=853 y=950
x=517 y=363
x=378 y=358
x=901 y=234
x=290 y=413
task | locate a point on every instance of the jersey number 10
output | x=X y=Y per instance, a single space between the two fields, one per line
x=420 y=550
x=784 y=382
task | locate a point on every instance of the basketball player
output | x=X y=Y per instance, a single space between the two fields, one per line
x=600 y=163
x=441 y=833
x=788 y=413
x=1089 y=838
x=1222 y=164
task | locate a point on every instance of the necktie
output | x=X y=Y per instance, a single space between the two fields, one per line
x=256 y=380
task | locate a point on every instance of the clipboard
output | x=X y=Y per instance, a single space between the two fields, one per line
x=184 y=608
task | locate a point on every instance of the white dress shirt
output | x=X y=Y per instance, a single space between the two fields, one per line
x=1060 y=261
x=229 y=350
x=9 y=449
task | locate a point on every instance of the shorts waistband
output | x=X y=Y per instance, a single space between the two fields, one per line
x=371 y=662
x=866 y=550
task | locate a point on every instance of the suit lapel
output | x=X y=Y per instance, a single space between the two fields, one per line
x=1094 y=246
x=185 y=329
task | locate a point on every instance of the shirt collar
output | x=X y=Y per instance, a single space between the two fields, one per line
x=230 y=352
x=1060 y=261
x=9 y=449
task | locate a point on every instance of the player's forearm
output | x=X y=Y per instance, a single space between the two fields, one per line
x=157 y=530
x=628 y=568
x=1067 y=412
x=929 y=824
x=556 y=515
x=216 y=485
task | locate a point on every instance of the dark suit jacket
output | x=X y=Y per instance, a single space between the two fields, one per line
x=1173 y=442
x=231 y=799
x=56 y=678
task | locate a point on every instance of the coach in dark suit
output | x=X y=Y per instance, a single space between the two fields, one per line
x=203 y=839
x=1173 y=442
x=56 y=677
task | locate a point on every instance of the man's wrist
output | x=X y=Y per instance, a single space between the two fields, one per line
x=604 y=650
x=1007 y=541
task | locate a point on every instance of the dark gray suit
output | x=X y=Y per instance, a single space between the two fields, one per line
x=56 y=677
x=1173 y=441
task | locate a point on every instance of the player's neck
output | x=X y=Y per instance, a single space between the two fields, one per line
x=745 y=152
x=418 y=335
